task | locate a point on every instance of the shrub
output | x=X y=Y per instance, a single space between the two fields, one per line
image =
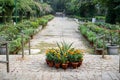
x=12 y=32
x=43 y=22
x=35 y=24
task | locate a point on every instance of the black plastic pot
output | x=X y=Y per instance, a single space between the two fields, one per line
x=2 y=49
x=112 y=49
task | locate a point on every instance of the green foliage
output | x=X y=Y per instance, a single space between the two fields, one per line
x=23 y=8
x=93 y=31
x=64 y=59
x=108 y=26
x=15 y=45
x=13 y=32
x=100 y=17
x=76 y=56
x=113 y=10
x=87 y=9
x=35 y=24
x=83 y=29
x=43 y=22
x=64 y=53
x=64 y=47
x=84 y=19
x=100 y=44
x=50 y=56
x=91 y=36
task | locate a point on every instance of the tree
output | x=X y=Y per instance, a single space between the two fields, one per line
x=113 y=10
x=23 y=7
x=7 y=9
x=84 y=8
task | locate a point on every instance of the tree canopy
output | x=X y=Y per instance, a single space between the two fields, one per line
x=23 y=7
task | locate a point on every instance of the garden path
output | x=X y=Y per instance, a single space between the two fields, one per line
x=33 y=67
x=58 y=30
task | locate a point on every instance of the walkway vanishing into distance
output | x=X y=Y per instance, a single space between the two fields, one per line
x=33 y=67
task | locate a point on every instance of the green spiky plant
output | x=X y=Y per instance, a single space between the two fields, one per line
x=64 y=47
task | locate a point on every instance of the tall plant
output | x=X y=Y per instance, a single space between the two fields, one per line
x=64 y=47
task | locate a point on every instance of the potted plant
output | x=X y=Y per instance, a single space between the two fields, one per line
x=99 y=46
x=64 y=55
x=57 y=60
x=75 y=57
x=113 y=47
x=64 y=62
x=50 y=57
x=2 y=46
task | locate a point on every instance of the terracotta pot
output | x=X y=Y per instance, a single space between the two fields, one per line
x=74 y=65
x=64 y=66
x=69 y=64
x=79 y=64
x=99 y=52
x=91 y=43
x=57 y=65
x=51 y=63
x=47 y=61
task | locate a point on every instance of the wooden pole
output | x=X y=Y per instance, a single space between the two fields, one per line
x=119 y=63
x=95 y=46
x=29 y=47
x=7 y=57
x=119 y=51
x=22 y=41
x=103 y=55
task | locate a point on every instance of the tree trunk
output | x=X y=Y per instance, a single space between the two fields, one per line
x=111 y=16
x=21 y=15
x=9 y=12
x=4 y=17
x=28 y=15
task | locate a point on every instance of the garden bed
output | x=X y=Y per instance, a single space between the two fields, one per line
x=27 y=27
x=92 y=31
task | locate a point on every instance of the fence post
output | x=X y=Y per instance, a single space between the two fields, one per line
x=119 y=63
x=119 y=50
x=103 y=54
x=29 y=47
x=7 y=57
x=22 y=41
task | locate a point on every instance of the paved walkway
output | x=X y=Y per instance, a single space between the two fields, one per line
x=33 y=67
x=58 y=30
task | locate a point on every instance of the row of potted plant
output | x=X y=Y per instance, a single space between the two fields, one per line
x=28 y=27
x=91 y=32
x=64 y=56
x=108 y=26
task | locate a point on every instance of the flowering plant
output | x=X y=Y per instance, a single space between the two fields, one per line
x=75 y=55
x=64 y=53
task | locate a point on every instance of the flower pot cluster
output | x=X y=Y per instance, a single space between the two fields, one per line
x=64 y=57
